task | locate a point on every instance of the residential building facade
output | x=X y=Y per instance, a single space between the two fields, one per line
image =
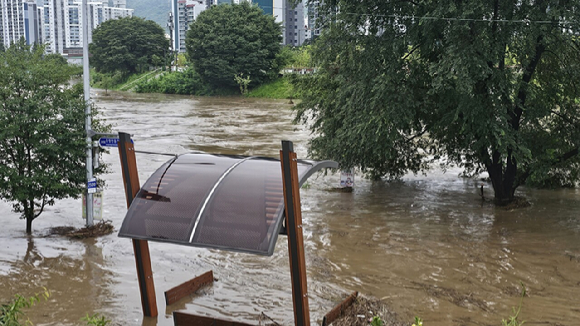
x=12 y=21
x=293 y=19
x=184 y=13
x=55 y=23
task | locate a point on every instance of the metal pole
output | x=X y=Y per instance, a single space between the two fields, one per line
x=87 y=90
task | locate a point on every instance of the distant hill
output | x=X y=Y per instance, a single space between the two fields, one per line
x=155 y=10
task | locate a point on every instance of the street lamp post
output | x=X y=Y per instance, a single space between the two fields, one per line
x=87 y=90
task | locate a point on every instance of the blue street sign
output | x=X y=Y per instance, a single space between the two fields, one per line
x=92 y=186
x=109 y=142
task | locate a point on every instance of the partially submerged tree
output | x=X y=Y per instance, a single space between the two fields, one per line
x=228 y=40
x=42 y=139
x=491 y=86
x=128 y=45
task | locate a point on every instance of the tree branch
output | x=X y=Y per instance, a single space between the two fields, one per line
x=411 y=52
x=562 y=158
x=417 y=135
x=41 y=207
x=529 y=70
x=566 y=156
x=565 y=118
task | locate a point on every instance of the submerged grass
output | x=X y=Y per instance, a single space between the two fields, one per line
x=97 y=230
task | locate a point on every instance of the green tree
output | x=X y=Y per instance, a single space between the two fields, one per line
x=42 y=139
x=128 y=44
x=228 y=40
x=491 y=86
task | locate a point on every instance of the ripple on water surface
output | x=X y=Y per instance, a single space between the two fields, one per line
x=428 y=245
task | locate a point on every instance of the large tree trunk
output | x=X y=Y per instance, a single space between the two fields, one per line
x=28 y=225
x=28 y=214
x=503 y=178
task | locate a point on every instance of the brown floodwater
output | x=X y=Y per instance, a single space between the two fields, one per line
x=428 y=245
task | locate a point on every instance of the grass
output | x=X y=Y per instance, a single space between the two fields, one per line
x=133 y=79
x=277 y=89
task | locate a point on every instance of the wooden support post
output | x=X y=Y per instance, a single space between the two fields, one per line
x=187 y=288
x=293 y=212
x=140 y=247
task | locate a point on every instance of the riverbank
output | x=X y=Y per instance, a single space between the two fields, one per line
x=427 y=245
x=280 y=88
x=187 y=82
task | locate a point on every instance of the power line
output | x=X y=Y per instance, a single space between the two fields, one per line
x=482 y=20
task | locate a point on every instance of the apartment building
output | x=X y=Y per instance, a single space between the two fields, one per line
x=184 y=13
x=293 y=24
x=56 y=23
x=98 y=12
x=293 y=18
x=11 y=21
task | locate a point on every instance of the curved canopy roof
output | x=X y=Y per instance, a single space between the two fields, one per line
x=216 y=201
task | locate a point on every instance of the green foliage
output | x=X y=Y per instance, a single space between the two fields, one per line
x=296 y=57
x=187 y=82
x=242 y=82
x=418 y=321
x=513 y=319
x=377 y=321
x=128 y=45
x=132 y=80
x=11 y=313
x=106 y=80
x=393 y=94
x=181 y=60
x=227 y=40
x=280 y=88
x=96 y=320
x=42 y=139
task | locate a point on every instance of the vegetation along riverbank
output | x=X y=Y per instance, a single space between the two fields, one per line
x=221 y=58
x=479 y=89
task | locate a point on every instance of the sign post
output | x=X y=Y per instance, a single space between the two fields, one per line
x=87 y=92
x=92 y=186
x=110 y=142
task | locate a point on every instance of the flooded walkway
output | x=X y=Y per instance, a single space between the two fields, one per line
x=428 y=245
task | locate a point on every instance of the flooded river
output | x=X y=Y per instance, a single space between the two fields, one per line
x=427 y=245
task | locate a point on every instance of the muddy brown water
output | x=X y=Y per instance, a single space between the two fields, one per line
x=427 y=245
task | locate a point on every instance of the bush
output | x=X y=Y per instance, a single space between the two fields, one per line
x=186 y=82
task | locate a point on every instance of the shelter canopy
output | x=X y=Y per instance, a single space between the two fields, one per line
x=217 y=201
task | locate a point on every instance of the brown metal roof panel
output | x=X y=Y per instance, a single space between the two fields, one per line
x=218 y=201
x=172 y=196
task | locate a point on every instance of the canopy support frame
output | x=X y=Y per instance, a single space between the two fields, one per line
x=140 y=247
x=290 y=182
